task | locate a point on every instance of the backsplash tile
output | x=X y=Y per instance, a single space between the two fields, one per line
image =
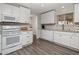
x=73 y=27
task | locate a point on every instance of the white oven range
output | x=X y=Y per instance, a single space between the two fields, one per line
x=11 y=40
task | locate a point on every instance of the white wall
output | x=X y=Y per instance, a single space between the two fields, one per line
x=39 y=25
x=35 y=25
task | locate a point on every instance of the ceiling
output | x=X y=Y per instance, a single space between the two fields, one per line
x=38 y=8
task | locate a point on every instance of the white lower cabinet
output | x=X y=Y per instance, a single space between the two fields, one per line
x=47 y=35
x=62 y=38
x=43 y=34
x=65 y=38
x=27 y=38
x=75 y=40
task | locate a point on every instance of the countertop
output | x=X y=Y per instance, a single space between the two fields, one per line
x=63 y=31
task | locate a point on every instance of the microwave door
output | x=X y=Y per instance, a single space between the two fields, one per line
x=8 y=19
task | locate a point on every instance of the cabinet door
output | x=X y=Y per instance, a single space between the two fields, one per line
x=43 y=34
x=76 y=13
x=62 y=38
x=42 y=18
x=24 y=38
x=22 y=14
x=66 y=38
x=6 y=9
x=25 y=15
x=27 y=37
x=50 y=17
x=28 y=15
x=75 y=40
x=57 y=37
x=49 y=35
x=16 y=13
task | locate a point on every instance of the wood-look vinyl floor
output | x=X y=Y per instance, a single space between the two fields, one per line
x=42 y=47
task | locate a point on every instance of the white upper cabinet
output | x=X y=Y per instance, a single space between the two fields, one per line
x=24 y=15
x=9 y=13
x=6 y=9
x=48 y=18
x=12 y=13
x=76 y=12
x=28 y=15
x=16 y=13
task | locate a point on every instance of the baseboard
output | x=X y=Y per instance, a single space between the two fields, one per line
x=27 y=44
x=71 y=48
x=9 y=50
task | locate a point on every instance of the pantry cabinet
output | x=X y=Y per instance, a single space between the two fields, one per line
x=48 y=18
x=76 y=12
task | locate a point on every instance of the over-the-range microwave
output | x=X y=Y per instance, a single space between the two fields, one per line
x=7 y=18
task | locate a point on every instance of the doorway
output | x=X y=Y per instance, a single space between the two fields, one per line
x=34 y=21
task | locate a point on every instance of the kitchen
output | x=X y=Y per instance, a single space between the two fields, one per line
x=39 y=29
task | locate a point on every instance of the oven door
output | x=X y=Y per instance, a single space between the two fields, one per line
x=7 y=18
x=10 y=41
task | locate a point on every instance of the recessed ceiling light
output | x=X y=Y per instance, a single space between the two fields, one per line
x=62 y=7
